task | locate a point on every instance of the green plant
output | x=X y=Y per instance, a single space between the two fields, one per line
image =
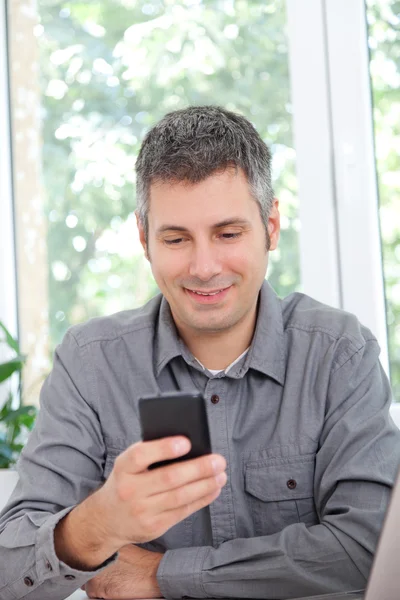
x=15 y=423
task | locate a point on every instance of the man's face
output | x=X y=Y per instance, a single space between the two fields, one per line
x=207 y=246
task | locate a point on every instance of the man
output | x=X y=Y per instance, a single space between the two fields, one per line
x=293 y=499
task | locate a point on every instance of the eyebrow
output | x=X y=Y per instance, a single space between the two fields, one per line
x=224 y=223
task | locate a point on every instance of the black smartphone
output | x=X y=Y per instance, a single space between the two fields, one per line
x=176 y=413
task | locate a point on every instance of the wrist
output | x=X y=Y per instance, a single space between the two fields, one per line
x=80 y=538
x=155 y=563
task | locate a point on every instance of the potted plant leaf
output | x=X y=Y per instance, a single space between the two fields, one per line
x=16 y=420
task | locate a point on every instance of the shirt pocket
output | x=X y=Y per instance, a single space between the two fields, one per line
x=280 y=493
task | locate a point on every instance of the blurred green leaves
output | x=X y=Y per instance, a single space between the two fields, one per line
x=15 y=423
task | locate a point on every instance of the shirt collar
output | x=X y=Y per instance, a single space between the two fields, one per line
x=267 y=350
x=167 y=344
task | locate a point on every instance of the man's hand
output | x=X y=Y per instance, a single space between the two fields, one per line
x=141 y=505
x=133 y=575
x=137 y=505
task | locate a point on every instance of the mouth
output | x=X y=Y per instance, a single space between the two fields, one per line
x=208 y=297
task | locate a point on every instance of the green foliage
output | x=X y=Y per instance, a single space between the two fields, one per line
x=14 y=427
x=15 y=423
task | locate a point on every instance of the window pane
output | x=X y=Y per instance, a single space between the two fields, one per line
x=384 y=44
x=111 y=69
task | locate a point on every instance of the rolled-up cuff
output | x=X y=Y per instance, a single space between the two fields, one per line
x=179 y=573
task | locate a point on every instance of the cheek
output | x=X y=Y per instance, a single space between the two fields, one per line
x=250 y=257
x=167 y=266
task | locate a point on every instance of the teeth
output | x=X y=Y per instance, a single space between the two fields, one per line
x=203 y=294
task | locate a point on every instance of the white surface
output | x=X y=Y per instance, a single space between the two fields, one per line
x=395 y=413
x=80 y=595
x=8 y=480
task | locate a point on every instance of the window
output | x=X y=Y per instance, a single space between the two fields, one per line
x=384 y=44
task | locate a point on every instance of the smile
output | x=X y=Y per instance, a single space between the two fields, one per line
x=211 y=297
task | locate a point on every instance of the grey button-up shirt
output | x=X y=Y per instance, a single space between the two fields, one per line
x=302 y=420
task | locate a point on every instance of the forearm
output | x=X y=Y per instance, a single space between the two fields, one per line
x=81 y=539
x=133 y=575
x=145 y=560
x=297 y=561
x=30 y=565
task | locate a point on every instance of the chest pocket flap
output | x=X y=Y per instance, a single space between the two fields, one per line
x=290 y=479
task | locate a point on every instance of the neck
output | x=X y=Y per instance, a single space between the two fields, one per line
x=217 y=350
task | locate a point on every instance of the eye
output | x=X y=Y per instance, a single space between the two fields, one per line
x=174 y=242
x=231 y=236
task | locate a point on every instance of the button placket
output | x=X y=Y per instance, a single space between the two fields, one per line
x=221 y=510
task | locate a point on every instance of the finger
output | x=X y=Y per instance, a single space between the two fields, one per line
x=93 y=590
x=172 y=517
x=179 y=474
x=186 y=495
x=138 y=457
x=89 y=590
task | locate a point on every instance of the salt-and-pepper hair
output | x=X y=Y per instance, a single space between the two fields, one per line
x=191 y=144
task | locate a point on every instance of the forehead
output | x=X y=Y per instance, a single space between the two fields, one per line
x=222 y=193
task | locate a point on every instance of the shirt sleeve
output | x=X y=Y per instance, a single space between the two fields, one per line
x=61 y=464
x=356 y=464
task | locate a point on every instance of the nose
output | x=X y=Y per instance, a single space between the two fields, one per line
x=204 y=261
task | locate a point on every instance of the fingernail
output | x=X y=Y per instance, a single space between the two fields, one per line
x=221 y=478
x=181 y=446
x=217 y=464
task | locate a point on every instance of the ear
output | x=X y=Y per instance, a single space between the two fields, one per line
x=274 y=224
x=142 y=236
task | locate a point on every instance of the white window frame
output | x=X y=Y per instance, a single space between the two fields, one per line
x=8 y=280
x=340 y=243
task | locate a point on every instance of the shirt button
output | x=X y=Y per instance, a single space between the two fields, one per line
x=28 y=581
x=214 y=399
x=70 y=577
x=48 y=566
x=292 y=484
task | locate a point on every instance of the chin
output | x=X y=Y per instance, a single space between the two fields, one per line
x=211 y=325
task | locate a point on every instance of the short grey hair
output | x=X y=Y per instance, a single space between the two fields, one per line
x=191 y=144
